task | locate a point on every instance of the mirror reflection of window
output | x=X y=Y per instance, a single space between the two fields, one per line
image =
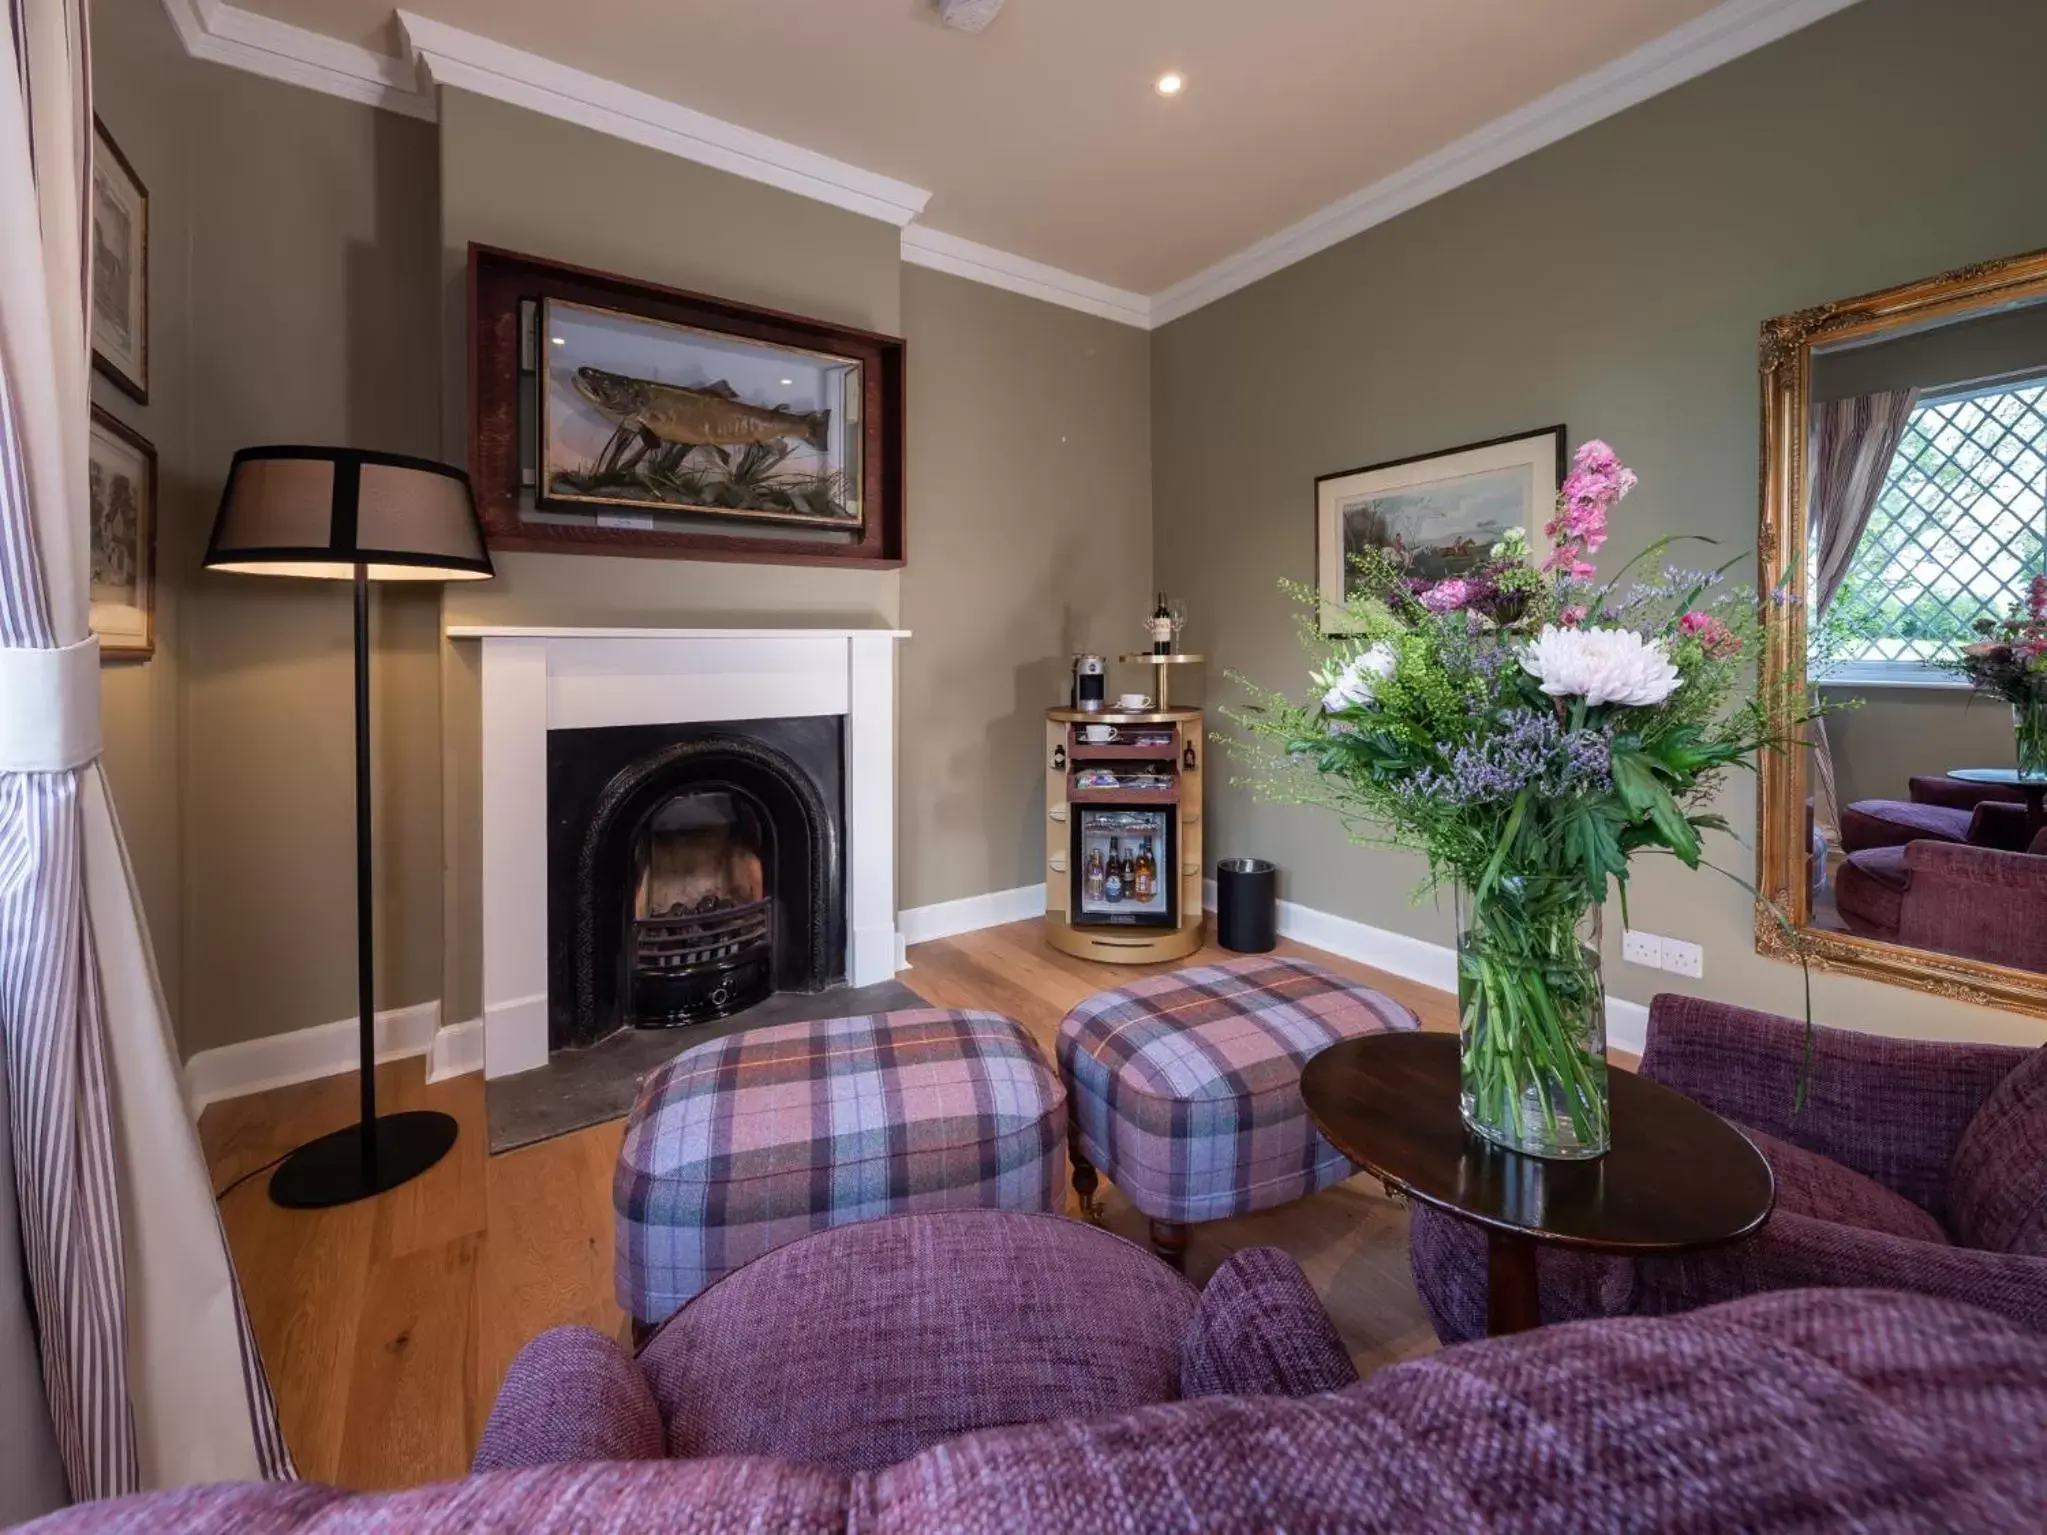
x=1927 y=521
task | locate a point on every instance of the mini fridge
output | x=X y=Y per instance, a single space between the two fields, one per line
x=1123 y=859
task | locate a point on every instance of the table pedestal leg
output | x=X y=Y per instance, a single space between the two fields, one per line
x=1512 y=1301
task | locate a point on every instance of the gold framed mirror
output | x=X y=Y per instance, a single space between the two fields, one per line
x=1904 y=501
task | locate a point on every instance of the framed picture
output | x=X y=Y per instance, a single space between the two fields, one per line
x=611 y=416
x=1437 y=514
x=122 y=483
x=120 y=268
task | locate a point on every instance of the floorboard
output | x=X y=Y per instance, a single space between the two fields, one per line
x=388 y=1326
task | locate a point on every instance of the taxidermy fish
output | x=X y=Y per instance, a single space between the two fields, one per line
x=712 y=414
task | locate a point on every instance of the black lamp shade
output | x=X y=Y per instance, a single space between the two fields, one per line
x=321 y=512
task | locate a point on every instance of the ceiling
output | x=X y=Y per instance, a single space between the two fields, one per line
x=1042 y=136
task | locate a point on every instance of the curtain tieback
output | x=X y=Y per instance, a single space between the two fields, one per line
x=50 y=708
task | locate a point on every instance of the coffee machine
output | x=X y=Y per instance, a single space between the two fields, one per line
x=1090 y=683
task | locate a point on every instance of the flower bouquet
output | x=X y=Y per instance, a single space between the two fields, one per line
x=2010 y=662
x=1528 y=731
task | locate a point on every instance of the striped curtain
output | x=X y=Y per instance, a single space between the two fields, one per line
x=149 y=1369
x=1852 y=443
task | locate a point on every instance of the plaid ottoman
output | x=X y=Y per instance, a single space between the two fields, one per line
x=1186 y=1088
x=746 y=1143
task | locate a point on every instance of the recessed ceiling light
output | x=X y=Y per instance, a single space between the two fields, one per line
x=788 y=383
x=558 y=340
x=1169 y=84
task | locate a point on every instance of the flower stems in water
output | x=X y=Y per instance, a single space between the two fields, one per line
x=1532 y=1018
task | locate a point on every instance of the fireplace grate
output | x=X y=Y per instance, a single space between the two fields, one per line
x=690 y=966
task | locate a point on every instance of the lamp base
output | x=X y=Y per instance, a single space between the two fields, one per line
x=329 y=1171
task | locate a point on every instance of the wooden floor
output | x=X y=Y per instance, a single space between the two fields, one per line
x=388 y=1325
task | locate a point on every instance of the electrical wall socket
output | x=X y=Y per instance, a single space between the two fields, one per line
x=1656 y=953
x=1681 y=958
x=1639 y=948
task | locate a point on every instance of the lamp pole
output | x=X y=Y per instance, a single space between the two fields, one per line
x=365 y=932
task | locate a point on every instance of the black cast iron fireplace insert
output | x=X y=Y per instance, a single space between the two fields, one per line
x=692 y=871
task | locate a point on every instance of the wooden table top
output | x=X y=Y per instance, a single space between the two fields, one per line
x=1678 y=1177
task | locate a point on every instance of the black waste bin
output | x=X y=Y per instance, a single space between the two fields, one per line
x=1247 y=905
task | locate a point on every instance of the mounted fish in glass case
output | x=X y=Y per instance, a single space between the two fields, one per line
x=648 y=416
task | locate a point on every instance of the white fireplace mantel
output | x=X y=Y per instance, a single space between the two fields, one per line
x=541 y=679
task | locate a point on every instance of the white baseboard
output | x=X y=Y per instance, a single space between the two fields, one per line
x=303 y=1055
x=1417 y=959
x=921 y=924
x=457 y=1050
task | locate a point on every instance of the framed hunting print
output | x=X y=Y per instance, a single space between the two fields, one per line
x=1437 y=514
x=120 y=268
x=121 y=485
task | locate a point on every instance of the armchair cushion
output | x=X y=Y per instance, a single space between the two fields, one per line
x=1810 y=1184
x=1997 y=1184
x=1893 y=822
x=1261 y=1331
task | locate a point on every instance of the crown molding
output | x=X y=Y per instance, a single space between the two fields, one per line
x=450 y=56
x=999 y=269
x=1702 y=44
x=227 y=34
x=437 y=54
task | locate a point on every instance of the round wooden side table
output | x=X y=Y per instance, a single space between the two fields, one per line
x=1678 y=1177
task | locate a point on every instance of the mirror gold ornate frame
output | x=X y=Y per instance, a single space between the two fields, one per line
x=1788 y=343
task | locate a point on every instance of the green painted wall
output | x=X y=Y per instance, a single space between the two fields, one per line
x=1614 y=281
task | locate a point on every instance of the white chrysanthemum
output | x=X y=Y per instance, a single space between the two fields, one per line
x=1601 y=666
x=1358 y=683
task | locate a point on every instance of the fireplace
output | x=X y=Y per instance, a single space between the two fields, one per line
x=693 y=870
x=674 y=686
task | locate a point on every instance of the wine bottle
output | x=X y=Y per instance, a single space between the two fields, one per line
x=1147 y=878
x=1161 y=627
x=1112 y=878
x=1129 y=876
x=1091 y=880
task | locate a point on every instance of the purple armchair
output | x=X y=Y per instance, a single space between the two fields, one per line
x=864 y=1345
x=1913 y=1166
x=1941 y=809
x=1975 y=901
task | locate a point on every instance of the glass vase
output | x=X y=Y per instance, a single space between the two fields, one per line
x=2029 y=725
x=1532 y=1019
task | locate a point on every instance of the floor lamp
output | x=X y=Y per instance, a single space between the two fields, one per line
x=340 y=514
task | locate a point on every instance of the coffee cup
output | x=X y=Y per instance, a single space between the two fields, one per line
x=1098 y=735
x=1133 y=702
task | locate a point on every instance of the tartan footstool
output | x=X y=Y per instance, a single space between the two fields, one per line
x=1185 y=1089
x=746 y=1143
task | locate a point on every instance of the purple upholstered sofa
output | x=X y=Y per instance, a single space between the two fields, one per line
x=1913 y=1166
x=1814 y=1410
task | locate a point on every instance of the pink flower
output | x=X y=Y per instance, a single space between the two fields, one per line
x=1447 y=596
x=1597 y=480
x=1714 y=637
x=1571 y=617
x=2036 y=598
